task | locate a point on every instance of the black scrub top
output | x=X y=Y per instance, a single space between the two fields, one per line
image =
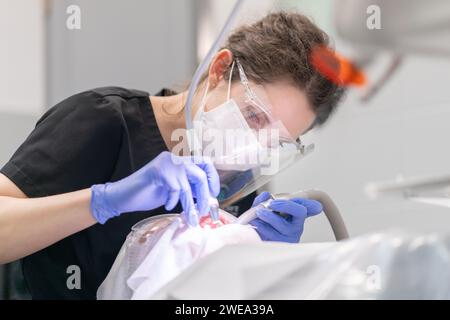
x=93 y=137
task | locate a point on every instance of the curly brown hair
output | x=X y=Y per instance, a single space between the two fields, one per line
x=279 y=47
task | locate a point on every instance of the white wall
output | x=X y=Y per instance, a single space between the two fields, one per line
x=137 y=44
x=22 y=56
x=22 y=71
x=213 y=13
x=403 y=130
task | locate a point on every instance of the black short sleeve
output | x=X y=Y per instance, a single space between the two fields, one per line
x=97 y=136
x=72 y=145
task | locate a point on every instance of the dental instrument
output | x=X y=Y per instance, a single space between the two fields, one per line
x=329 y=208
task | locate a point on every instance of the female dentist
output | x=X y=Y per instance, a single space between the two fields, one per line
x=98 y=162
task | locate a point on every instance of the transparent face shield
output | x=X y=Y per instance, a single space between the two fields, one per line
x=247 y=143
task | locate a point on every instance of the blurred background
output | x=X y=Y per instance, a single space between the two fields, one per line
x=147 y=45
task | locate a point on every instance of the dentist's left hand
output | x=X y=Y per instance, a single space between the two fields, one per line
x=164 y=181
x=272 y=227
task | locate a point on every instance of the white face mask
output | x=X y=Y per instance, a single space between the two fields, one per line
x=226 y=136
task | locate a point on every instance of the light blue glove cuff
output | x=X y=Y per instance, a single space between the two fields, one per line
x=101 y=210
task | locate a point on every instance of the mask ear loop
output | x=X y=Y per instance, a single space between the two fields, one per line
x=203 y=101
x=229 y=82
x=202 y=104
x=198 y=133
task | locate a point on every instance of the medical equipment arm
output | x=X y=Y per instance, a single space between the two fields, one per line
x=431 y=190
x=330 y=210
x=375 y=27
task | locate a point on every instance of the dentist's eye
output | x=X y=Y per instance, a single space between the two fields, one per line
x=255 y=118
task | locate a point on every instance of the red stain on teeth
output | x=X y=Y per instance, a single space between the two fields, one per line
x=207 y=221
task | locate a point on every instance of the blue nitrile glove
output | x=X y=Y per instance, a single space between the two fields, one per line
x=165 y=180
x=272 y=227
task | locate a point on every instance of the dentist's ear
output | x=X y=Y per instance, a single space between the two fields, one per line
x=221 y=62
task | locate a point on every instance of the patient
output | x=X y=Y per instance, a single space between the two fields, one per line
x=167 y=246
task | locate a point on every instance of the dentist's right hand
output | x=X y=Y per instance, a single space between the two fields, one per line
x=166 y=180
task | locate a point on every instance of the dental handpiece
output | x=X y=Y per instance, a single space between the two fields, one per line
x=250 y=214
x=330 y=210
x=214 y=209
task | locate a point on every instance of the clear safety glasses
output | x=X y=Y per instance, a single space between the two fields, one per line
x=257 y=110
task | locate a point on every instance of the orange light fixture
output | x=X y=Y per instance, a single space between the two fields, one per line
x=336 y=68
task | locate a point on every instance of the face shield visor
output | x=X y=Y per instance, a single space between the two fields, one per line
x=247 y=143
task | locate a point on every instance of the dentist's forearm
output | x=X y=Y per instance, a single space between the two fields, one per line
x=29 y=225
